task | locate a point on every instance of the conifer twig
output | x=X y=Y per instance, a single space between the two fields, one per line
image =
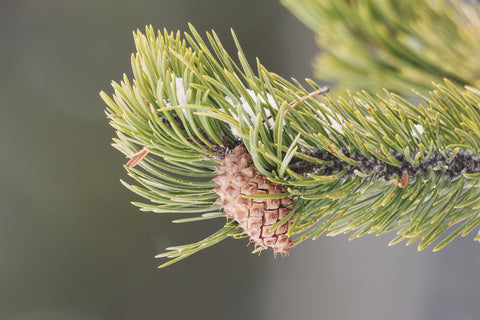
x=187 y=102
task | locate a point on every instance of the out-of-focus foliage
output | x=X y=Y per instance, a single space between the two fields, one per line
x=398 y=45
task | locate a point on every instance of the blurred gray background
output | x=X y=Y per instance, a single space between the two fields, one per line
x=73 y=247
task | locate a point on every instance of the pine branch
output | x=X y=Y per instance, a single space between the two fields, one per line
x=398 y=45
x=361 y=164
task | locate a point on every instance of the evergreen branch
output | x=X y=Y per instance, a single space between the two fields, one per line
x=361 y=164
x=399 y=45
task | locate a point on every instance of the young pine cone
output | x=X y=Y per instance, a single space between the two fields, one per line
x=238 y=176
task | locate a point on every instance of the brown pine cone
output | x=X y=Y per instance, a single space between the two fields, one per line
x=238 y=176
